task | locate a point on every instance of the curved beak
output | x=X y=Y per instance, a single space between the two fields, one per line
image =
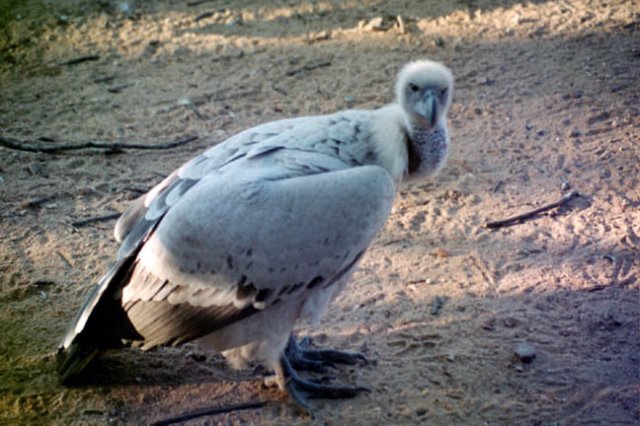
x=428 y=107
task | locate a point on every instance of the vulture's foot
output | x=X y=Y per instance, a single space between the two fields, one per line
x=299 y=357
x=303 y=358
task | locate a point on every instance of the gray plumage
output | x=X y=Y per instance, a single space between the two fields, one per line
x=262 y=230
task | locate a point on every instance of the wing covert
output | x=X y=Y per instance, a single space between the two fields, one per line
x=232 y=247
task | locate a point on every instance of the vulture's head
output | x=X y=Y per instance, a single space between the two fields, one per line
x=424 y=90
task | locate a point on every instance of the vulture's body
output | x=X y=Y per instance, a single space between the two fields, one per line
x=262 y=230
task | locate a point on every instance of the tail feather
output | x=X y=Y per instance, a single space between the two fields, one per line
x=73 y=360
x=101 y=323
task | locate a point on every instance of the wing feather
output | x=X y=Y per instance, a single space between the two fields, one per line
x=274 y=212
x=289 y=236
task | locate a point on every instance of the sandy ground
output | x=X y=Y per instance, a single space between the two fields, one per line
x=547 y=99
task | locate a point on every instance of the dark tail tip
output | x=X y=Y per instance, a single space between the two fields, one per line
x=73 y=360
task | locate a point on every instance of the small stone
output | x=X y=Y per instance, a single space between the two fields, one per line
x=37 y=169
x=437 y=304
x=575 y=133
x=525 y=353
x=233 y=21
x=442 y=253
x=510 y=322
x=321 y=36
x=489 y=325
x=421 y=411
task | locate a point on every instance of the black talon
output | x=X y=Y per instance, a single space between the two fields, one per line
x=299 y=360
x=297 y=356
x=314 y=360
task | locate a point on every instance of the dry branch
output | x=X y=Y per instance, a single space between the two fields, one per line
x=308 y=67
x=38 y=202
x=81 y=59
x=209 y=412
x=528 y=215
x=94 y=219
x=19 y=145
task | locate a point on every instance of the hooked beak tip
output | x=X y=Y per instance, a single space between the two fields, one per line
x=428 y=109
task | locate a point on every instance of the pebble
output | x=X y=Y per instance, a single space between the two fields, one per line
x=525 y=353
x=441 y=253
x=575 y=133
x=321 y=36
x=437 y=304
x=421 y=411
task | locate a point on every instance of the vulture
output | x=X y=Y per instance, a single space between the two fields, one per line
x=261 y=231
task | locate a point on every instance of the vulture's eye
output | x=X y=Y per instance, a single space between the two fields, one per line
x=443 y=94
x=413 y=87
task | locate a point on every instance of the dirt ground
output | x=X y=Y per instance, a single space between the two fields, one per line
x=547 y=99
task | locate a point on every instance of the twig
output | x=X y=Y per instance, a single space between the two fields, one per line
x=109 y=146
x=308 y=67
x=38 y=202
x=202 y=16
x=105 y=79
x=81 y=59
x=117 y=89
x=89 y=220
x=595 y=288
x=209 y=412
x=524 y=216
x=136 y=189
